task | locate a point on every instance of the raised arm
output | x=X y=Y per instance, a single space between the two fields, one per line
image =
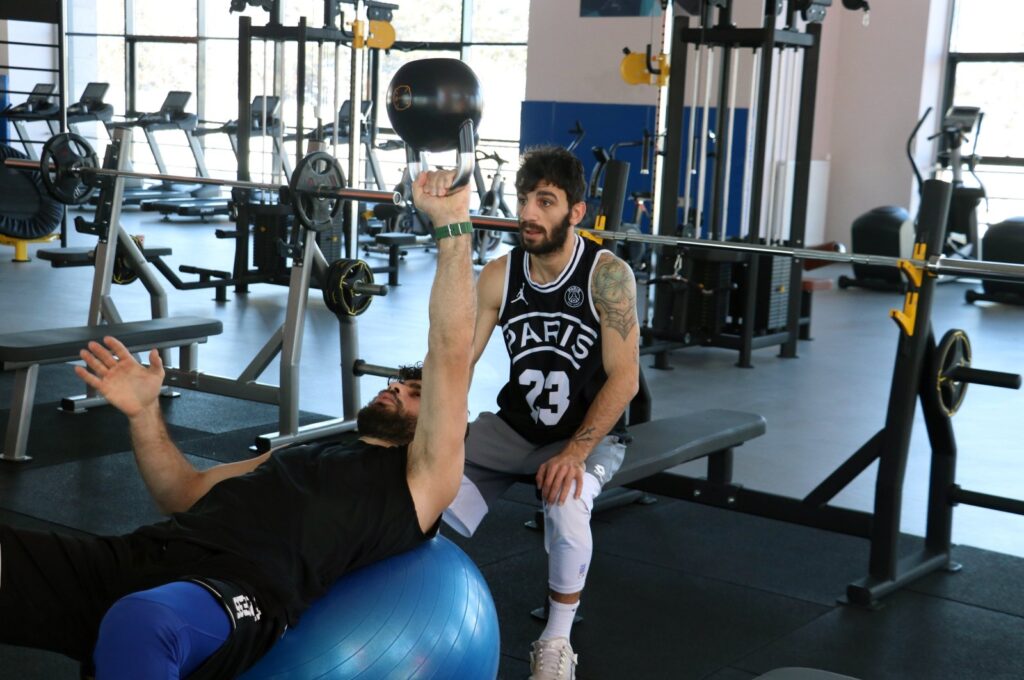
x=489 y=288
x=614 y=291
x=132 y=388
x=437 y=453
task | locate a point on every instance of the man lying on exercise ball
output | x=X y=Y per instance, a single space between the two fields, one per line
x=250 y=545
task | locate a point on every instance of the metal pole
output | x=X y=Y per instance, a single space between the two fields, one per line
x=359 y=29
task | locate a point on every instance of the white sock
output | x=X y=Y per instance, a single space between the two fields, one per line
x=560 y=618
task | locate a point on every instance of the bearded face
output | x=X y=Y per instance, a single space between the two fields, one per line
x=387 y=418
x=536 y=241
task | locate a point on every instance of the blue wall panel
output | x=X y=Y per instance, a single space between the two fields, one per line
x=546 y=122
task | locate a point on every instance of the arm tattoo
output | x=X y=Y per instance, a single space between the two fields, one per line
x=614 y=296
x=583 y=435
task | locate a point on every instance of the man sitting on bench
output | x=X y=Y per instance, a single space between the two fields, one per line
x=250 y=544
x=567 y=310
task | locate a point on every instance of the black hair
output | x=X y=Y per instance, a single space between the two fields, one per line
x=554 y=165
x=410 y=372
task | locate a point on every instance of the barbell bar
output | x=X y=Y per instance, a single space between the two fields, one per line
x=935 y=265
x=318 y=181
x=70 y=172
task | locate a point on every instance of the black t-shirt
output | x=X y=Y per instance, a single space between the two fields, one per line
x=553 y=336
x=299 y=521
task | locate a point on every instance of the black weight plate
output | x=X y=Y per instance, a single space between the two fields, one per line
x=61 y=163
x=340 y=294
x=314 y=179
x=954 y=350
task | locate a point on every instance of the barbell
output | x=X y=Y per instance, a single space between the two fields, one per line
x=71 y=174
x=935 y=265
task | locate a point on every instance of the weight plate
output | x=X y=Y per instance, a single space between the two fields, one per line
x=341 y=294
x=954 y=350
x=61 y=163
x=313 y=190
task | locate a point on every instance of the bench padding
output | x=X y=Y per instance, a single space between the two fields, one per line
x=660 y=444
x=55 y=345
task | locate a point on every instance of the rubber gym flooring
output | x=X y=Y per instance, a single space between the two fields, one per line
x=677 y=590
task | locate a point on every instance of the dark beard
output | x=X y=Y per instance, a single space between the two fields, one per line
x=551 y=243
x=375 y=420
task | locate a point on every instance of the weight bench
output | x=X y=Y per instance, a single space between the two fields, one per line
x=26 y=351
x=657 y=445
x=86 y=257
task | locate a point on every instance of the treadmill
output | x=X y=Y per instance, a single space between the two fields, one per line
x=268 y=107
x=38 y=107
x=171 y=116
x=90 y=107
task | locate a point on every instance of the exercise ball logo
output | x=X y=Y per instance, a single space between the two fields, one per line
x=574 y=296
x=401 y=98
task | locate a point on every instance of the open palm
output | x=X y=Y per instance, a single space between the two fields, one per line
x=123 y=381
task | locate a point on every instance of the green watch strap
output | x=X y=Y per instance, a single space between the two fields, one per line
x=454 y=229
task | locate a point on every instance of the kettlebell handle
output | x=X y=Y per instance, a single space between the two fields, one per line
x=466 y=157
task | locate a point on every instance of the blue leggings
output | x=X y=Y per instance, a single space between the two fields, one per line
x=166 y=632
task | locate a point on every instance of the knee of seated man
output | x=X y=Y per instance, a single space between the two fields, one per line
x=568 y=522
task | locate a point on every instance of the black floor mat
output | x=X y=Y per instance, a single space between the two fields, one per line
x=57 y=436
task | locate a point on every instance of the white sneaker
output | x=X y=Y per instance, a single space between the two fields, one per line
x=552 y=660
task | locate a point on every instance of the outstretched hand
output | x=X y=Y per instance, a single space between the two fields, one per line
x=124 y=382
x=431 y=195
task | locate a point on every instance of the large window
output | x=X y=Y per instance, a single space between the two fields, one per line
x=986 y=69
x=145 y=48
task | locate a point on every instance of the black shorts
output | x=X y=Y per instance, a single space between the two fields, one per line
x=55 y=590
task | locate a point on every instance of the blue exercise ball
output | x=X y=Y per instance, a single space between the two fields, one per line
x=426 y=613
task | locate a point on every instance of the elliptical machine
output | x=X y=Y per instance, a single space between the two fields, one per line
x=889 y=230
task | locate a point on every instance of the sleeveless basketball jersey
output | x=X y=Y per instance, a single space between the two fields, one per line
x=553 y=337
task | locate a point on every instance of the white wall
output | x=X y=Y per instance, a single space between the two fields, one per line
x=576 y=59
x=881 y=78
x=27 y=55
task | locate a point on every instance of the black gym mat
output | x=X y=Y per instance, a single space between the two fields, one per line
x=677 y=625
x=103 y=495
x=217 y=414
x=57 y=436
x=229 y=447
x=756 y=552
x=912 y=636
x=53 y=383
x=731 y=674
x=987 y=579
x=501 y=535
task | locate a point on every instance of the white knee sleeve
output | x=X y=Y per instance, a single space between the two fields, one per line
x=567 y=538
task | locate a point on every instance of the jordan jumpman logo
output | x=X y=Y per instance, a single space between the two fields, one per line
x=519 y=296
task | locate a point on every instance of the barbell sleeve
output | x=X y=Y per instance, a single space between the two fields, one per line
x=360 y=368
x=978 y=376
x=362 y=288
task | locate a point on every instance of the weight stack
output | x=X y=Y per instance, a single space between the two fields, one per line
x=882 y=231
x=1004 y=242
x=332 y=239
x=708 y=297
x=771 y=308
x=270 y=224
x=771 y=311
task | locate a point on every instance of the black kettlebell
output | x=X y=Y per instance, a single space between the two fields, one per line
x=429 y=100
